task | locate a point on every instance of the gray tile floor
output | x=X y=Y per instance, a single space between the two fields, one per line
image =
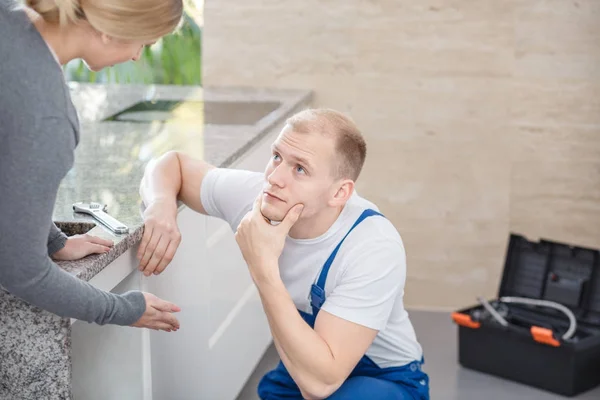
x=449 y=381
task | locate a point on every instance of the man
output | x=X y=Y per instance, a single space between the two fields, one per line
x=330 y=270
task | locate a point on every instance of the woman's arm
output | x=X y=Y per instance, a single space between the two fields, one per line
x=34 y=157
x=56 y=239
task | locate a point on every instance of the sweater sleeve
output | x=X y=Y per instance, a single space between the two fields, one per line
x=56 y=239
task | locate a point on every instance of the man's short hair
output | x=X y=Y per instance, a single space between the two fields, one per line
x=350 y=145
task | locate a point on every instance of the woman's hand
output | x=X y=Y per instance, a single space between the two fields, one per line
x=158 y=315
x=80 y=246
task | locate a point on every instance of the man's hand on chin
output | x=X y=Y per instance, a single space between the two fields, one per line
x=261 y=242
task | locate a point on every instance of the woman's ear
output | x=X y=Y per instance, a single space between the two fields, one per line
x=105 y=38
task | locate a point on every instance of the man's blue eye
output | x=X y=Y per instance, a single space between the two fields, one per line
x=300 y=169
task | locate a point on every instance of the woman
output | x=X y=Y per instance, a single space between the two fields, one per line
x=39 y=131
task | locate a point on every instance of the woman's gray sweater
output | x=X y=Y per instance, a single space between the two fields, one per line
x=39 y=130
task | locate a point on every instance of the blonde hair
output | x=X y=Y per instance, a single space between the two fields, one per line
x=130 y=20
x=350 y=145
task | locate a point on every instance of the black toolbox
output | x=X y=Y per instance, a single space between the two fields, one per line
x=532 y=344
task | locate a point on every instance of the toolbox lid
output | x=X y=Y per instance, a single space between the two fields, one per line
x=554 y=271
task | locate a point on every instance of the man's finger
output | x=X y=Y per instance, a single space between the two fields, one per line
x=169 y=254
x=150 y=249
x=291 y=217
x=144 y=243
x=99 y=240
x=157 y=255
x=257 y=204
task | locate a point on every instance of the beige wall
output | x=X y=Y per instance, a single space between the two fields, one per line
x=482 y=117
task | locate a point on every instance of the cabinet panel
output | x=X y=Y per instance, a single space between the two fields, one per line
x=239 y=328
x=108 y=362
x=238 y=347
x=180 y=360
x=224 y=331
x=229 y=276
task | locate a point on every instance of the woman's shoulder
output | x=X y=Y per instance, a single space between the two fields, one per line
x=32 y=80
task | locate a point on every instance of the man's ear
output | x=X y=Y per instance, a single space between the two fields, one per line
x=343 y=193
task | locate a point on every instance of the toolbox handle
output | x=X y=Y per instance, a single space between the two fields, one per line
x=465 y=320
x=544 y=335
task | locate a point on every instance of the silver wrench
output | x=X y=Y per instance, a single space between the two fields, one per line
x=96 y=210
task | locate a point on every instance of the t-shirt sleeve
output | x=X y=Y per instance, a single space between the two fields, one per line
x=230 y=193
x=369 y=285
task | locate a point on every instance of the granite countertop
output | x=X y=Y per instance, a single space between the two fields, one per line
x=111 y=155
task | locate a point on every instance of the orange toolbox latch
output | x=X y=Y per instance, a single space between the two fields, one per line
x=465 y=320
x=544 y=335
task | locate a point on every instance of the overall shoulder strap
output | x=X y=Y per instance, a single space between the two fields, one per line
x=317 y=292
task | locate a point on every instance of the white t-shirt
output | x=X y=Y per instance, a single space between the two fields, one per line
x=365 y=283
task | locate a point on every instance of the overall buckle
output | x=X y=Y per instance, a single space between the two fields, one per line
x=317 y=296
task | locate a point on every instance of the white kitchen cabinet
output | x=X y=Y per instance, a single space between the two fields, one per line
x=110 y=361
x=224 y=331
x=239 y=329
x=180 y=359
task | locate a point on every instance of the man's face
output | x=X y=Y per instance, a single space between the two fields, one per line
x=300 y=171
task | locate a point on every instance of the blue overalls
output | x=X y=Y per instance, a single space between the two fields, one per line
x=367 y=380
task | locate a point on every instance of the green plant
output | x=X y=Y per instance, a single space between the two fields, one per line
x=175 y=59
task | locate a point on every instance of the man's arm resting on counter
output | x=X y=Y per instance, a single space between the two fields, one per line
x=318 y=360
x=174 y=176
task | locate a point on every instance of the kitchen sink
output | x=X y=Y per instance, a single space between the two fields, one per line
x=74 y=228
x=208 y=112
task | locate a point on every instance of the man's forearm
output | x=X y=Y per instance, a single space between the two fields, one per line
x=305 y=354
x=286 y=361
x=162 y=180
